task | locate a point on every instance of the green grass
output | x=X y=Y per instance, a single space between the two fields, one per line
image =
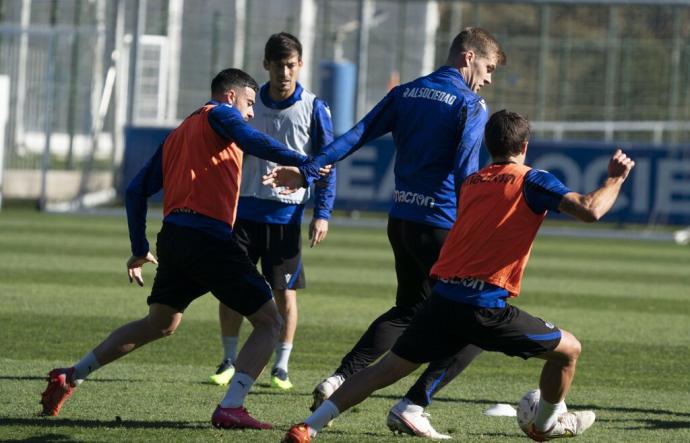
x=63 y=287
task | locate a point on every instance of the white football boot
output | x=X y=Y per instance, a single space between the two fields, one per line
x=325 y=389
x=408 y=418
x=569 y=424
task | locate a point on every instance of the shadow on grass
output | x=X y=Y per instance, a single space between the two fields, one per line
x=649 y=424
x=47 y=422
x=44 y=438
x=91 y=380
x=573 y=406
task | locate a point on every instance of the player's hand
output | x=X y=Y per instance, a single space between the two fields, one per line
x=134 y=265
x=324 y=173
x=318 y=228
x=620 y=165
x=287 y=177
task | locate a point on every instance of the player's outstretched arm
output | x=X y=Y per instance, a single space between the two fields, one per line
x=591 y=207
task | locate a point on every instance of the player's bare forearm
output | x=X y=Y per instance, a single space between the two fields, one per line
x=591 y=207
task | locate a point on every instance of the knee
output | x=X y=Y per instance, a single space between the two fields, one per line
x=272 y=323
x=570 y=349
x=163 y=328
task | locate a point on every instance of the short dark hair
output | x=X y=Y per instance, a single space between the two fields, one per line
x=231 y=77
x=281 y=46
x=478 y=40
x=505 y=133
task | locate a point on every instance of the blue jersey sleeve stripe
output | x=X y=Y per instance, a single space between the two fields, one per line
x=294 y=277
x=545 y=337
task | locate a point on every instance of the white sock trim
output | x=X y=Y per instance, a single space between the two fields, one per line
x=84 y=367
x=240 y=385
x=325 y=413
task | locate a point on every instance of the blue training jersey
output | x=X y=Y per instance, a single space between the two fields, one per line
x=437 y=123
x=543 y=192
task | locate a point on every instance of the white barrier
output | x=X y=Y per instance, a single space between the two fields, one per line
x=4 y=116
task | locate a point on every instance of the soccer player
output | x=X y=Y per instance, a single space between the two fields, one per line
x=437 y=122
x=198 y=167
x=480 y=267
x=268 y=222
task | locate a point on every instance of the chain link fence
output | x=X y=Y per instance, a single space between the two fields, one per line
x=587 y=70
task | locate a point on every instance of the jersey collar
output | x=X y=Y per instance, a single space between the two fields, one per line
x=270 y=103
x=453 y=72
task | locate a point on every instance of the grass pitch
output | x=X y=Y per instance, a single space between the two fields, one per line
x=63 y=287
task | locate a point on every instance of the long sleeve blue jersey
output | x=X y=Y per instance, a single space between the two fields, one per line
x=227 y=122
x=437 y=124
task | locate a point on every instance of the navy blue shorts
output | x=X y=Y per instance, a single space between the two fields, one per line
x=443 y=327
x=192 y=263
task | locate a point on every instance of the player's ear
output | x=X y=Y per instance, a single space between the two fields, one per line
x=468 y=56
x=266 y=64
x=231 y=96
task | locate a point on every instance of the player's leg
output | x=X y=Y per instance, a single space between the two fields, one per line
x=411 y=290
x=438 y=374
x=173 y=290
x=353 y=391
x=250 y=237
x=517 y=333
x=423 y=248
x=408 y=241
x=281 y=264
x=230 y=323
x=552 y=418
x=287 y=306
x=161 y=321
x=235 y=281
x=251 y=360
x=424 y=340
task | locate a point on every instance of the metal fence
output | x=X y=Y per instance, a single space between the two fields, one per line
x=579 y=70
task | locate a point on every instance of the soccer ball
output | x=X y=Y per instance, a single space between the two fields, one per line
x=527 y=409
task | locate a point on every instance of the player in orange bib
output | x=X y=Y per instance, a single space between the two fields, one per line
x=481 y=264
x=199 y=168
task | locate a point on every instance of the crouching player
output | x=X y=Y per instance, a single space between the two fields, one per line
x=480 y=266
x=199 y=167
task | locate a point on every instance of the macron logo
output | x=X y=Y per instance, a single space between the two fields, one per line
x=413 y=198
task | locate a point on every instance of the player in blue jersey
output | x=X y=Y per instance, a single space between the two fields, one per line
x=268 y=222
x=481 y=266
x=199 y=167
x=437 y=122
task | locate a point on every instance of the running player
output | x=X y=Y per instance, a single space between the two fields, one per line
x=480 y=267
x=198 y=166
x=437 y=123
x=268 y=222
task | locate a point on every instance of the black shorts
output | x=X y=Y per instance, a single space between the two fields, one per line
x=278 y=246
x=416 y=247
x=192 y=263
x=444 y=326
